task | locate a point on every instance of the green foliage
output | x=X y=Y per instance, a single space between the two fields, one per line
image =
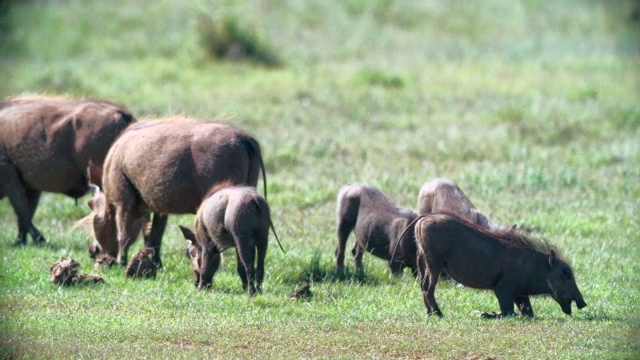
x=379 y=78
x=531 y=106
x=228 y=39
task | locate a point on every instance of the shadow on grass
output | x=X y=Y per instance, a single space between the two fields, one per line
x=316 y=270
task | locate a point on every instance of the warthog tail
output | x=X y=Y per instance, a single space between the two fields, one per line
x=273 y=230
x=404 y=233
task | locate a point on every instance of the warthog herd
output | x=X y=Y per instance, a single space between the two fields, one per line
x=211 y=169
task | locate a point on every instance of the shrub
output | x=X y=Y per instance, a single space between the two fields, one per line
x=229 y=39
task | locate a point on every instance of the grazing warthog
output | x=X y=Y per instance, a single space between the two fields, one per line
x=233 y=216
x=167 y=167
x=46 y=144
x=444 y=195
x=378 y=224
x=512 y=265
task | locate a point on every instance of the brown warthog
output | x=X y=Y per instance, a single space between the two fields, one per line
x=167 y=167
x=46 y=144
x=444 y=195
x=378 y=224
x=514 y=266
x=233 y=216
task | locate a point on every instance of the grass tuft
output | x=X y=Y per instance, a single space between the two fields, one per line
x=530 y=106
x=228 y=38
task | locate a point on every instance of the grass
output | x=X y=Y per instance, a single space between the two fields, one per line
x=530 y=106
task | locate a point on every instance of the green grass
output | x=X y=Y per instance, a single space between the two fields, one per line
x=532 y=107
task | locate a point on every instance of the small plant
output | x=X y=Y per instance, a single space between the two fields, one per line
x=228 y=39
x=377 y=77
x=315 y=271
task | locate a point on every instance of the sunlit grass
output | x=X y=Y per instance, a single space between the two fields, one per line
x=530 y=106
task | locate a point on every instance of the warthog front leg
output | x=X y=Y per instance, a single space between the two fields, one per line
x=524 y=305
x=357 y=253
x=506 y=299
x=128 y=230
x=154 y=240
x=210 y=260
x=23 y=201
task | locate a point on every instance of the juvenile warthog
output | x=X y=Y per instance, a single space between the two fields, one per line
x=512 y=265
x=46 y=144
x=444 y=195
x=234 y=216
x=378 y=224
x=167 y=167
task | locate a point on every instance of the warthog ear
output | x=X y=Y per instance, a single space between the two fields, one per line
x=187 y=233
x=552 y=258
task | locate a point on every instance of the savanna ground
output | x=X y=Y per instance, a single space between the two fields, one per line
x=532 y=106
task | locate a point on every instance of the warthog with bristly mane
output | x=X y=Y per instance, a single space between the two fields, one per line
x=444 y=195
x=46 y=144
x=508 y=262
x=377 y=224
x=232 y=216
x=167 y=167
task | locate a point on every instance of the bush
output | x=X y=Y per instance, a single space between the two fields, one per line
x=228 y=39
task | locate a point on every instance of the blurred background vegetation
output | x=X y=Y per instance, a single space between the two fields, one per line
x=531 y=106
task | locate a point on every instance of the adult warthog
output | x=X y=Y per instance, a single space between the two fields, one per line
x=46 y=144
x=167 y=167
x=511 y=264
x=232 y=216
x=377 y=224
x=444 y=195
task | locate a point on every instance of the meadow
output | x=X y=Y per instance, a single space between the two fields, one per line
x=531 y=106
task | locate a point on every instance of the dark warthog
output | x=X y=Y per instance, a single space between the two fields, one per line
x=512 y=265
x=46 y=144
x=378 y=224
x=233 y=216
x=444 y=195
x=167 y=167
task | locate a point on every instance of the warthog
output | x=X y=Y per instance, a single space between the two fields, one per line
x=511 y=264
x=378 y=224
x=444 y=195
x=167 y=167
x=46 y=144
x=233 y=216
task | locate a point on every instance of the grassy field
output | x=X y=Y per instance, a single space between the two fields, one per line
x=531 y=106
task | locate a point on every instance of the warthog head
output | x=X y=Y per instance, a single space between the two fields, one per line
x=103 y=223
x=194 y=252
x=563 y=285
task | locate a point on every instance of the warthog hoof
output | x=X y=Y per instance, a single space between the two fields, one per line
x=204 y=287
x=491 y=315
x=39 y=240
